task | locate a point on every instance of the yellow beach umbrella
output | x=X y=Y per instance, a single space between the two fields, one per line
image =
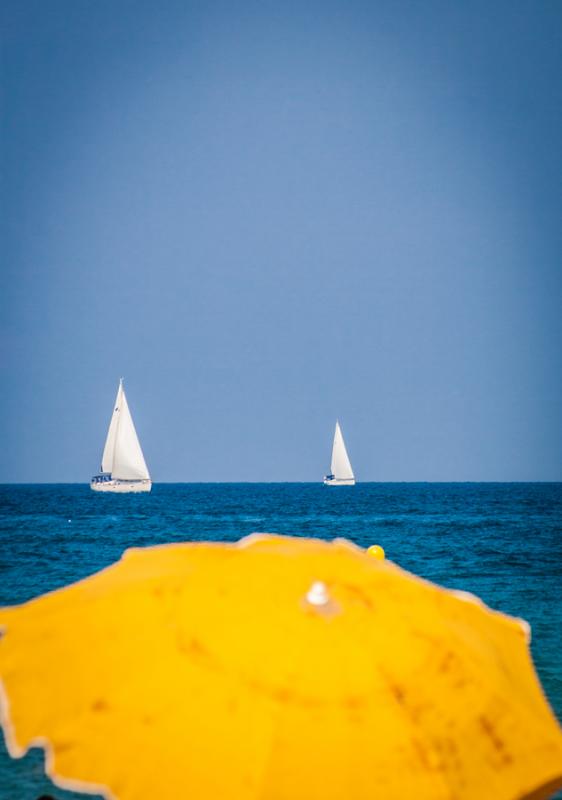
x=276 y=668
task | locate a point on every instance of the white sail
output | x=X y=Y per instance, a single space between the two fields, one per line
x=128 y=460
x=341 y=466
x=109 y=449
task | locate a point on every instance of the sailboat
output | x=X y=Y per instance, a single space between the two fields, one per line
x=341 y=473
x=123 y=468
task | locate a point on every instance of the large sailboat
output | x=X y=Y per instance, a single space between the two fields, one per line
x=341 y=473
x=123 y=468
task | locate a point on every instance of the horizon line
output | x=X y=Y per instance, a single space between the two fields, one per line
x=282 y=483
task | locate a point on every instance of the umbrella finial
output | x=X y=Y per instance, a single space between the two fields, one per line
x=318 y=594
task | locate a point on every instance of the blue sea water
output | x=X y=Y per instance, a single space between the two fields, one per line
x=502 y=542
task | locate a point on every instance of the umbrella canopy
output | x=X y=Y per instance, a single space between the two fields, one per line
x=278 y=668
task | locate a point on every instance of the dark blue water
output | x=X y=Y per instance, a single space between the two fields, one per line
x=502 y=542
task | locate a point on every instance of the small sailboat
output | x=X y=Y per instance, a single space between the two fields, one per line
x=341 y=473
x=123 y=468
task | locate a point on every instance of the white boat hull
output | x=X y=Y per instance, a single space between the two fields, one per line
x=122 y=487
x=339 y=482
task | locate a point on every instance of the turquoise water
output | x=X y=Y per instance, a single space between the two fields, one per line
x=502 y=542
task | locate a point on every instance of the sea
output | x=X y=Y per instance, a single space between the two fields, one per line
x=500 y=541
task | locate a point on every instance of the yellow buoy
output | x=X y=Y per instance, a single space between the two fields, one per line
x=376 y=550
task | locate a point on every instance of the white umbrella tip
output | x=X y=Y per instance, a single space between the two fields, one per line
x=318 y=594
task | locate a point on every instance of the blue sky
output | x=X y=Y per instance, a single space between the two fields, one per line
x=269 y=215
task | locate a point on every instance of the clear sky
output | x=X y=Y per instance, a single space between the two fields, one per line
x=266 y=215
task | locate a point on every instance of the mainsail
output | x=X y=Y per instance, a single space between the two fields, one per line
x=122 y=454
x=109 y=449
x=341 y=466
